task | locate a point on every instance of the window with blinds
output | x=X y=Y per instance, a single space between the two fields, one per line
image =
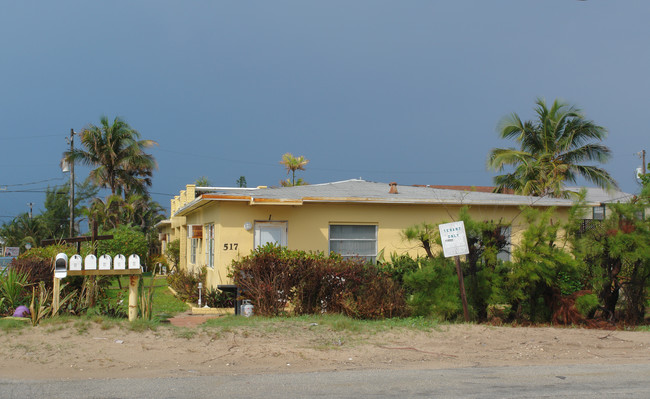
x=354 y=241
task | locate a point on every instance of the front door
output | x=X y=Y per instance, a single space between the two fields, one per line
x=266 y=232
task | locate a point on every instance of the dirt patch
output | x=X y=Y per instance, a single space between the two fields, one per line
x=91 y=351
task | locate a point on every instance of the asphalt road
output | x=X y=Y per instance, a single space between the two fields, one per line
x=577 y=381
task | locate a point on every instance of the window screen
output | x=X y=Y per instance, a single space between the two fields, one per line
x=354 y=241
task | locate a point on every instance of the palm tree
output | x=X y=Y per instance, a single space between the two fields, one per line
x=292 y=164
x=107 y=214
x=117 y=153
x=552 y=150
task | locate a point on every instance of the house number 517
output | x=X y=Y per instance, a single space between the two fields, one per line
x=230 y=247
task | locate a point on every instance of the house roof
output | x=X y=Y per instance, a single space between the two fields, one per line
x=594 y=194
x=361 y=191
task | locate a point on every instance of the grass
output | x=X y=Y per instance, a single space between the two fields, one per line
x=165 y=304
x=328 y=331
x=12 y=325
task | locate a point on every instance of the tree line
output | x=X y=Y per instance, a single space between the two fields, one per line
x=119 y=162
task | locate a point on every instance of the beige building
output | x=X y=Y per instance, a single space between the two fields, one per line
x=353 y=217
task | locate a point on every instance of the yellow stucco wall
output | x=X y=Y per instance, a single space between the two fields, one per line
x=308 y=227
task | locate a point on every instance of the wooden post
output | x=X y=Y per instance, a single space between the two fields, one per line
x=133 y=297
x=461 y=282
x=56 y=296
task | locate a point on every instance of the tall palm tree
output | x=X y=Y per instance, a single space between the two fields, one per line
x=292 y=164
x=107 y=214
x=553 y=149
x=117 y=154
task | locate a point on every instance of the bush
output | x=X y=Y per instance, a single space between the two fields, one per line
x=35 y=269
x=271 y=276
x=587 y=305
x=126 y=241
x=153 y=262
x=215 y=298
x=540 y=270
x=265 y=279
x=173 y=252
x=434 y=289
x=186 y=284
x=48 y=253
x=13 y=288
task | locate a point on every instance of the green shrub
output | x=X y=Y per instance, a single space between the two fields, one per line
x=48 y=253
x=434 y=290
x=186 y=284
x=126 y=240
x=400 y=265
x=13 y=288
x=587 y=305
x=216 y=298
x=539 y=269
x=173 y=252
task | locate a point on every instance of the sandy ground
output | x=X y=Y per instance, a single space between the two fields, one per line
x=91 y=350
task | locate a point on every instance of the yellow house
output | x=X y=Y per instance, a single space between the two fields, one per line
x=353 y=217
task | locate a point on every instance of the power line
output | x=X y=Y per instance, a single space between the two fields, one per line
x=30 y=183
x=30 y=137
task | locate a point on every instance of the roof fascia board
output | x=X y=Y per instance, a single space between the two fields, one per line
x=434 y=202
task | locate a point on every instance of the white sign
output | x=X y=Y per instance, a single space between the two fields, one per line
x=12 y=251
x=454 y=239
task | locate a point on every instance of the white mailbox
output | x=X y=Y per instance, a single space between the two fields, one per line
x=90 y=263
x=134 y=262
x=105 y=262
x=119 y=263
x=61 y=265
x=75 y=262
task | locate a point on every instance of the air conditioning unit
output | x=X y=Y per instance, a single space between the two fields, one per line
x=194 y=231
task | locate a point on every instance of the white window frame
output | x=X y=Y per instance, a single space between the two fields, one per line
x=505 y=254
x=283 y=226
x=371 y=257
x=209 y=244
x=599 y=212
x=193 y=244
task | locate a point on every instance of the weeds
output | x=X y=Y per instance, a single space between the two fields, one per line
x=141 y=325
x=10 y=325
x=186 y=333
x=12 y=287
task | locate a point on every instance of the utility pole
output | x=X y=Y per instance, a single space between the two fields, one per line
x=643 y=162
x=30 y=209
x=71 y=185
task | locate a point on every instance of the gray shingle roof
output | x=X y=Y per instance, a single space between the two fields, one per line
x=594 y=194
x=365 y=191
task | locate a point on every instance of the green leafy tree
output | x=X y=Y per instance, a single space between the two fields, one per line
x=241 y=182
x=56 y=216
x=173 y=252
x=483 y=274
x=433 y=289
x=126 y=241
x=540 y=265
x=552 y=151
x=424 y=234
x=22 y=230
x=117 y=155
x=616 y=254
x=107 y=213
x=293 y=164
x=202 y=181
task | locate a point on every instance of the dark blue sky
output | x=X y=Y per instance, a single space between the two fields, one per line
x=407 y=91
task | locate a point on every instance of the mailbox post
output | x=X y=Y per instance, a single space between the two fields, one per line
x=61 y=271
